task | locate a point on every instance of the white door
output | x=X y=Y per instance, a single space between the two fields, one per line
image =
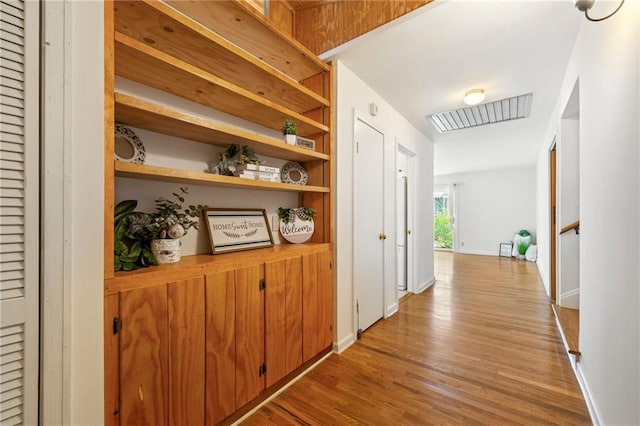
x=368 y=224
x=19 y=214
x=401 y=219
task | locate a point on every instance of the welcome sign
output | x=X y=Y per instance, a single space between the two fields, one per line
x=238 y=229
x=297 y=231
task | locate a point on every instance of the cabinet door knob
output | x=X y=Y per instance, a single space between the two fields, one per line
x=382 y=236
x=408 y=231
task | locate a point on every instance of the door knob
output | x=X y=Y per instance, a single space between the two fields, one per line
x=408 y=231
x=382 y=236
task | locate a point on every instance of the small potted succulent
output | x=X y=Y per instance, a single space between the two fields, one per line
x=289 y=131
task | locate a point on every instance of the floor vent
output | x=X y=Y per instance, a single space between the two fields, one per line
x=479 y=115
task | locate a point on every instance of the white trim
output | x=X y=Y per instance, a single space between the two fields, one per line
x=282 y=389
x=596 y=418
x=571 y=293
x=55 y=297
x=344 y=344
x=425 y=285
x=391 y=310
x=412 y=157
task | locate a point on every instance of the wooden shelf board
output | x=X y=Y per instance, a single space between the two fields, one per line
x=200 y=264
x=255 y=34
x=161 y=119
x=165 y=174
x=163 y=28
x=139 y=62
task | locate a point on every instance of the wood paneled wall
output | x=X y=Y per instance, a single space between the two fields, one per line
x=324 y=25
x=282 y=15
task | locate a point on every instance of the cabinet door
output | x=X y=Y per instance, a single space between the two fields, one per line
x=250 y=380
x=317 y=303
x=220 y=346
x=283 y=313
x=144 y=389
x=310 y=337
x=186 y=352
x=325 y=298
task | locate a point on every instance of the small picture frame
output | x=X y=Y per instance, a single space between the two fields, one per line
x=505 y=249
x=305 y=143
x=237 y=229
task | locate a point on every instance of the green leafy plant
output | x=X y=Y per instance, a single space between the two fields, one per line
x=443 y=236
x=522 y=248
x=289 y=215
x=171 y=220
x=131 y=238
x=289 y=127
x=236 y=155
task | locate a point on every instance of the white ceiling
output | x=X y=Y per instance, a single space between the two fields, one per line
x=425 y=62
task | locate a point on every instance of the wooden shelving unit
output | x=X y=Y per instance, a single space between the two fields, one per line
x=166 y=174
x=161 y=119
x=223 y=55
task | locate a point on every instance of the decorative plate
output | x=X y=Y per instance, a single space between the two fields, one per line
x=128 y=146
x=294 y=173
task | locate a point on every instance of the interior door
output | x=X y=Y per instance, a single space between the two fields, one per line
x=401 y=220
x=19 y=211
x=368 y=224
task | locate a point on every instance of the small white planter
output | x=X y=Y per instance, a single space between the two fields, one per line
x=290 y=139
x=166 y=250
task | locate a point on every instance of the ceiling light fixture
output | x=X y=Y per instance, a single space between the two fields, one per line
x=585 y=5
x=474 y=96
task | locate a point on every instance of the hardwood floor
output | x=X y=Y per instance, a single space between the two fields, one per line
x=480 y=346
x=569 y=320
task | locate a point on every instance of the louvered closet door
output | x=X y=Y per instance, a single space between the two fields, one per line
x=19 y=228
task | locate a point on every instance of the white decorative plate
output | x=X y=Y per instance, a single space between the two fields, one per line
x=128 y=146
x=294 y=173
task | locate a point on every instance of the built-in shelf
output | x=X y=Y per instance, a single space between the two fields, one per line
x=161 y=119
x=252 y=32
x=163 y=28
x=144 y=64
x=166 y=174
x=200 y=264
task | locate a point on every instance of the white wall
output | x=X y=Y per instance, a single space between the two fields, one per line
x=491 y=207
x=568 y=211
x=605 y=60
x=354 y=94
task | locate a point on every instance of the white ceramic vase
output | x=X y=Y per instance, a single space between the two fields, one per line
x=166 y=250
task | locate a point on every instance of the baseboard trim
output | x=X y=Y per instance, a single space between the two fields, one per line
x=596 y=419
x=570 y=293
x=391 y=310
x=343 y=344
x=582 y=381
x=425 y=285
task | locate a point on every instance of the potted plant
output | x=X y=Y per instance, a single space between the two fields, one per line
x=296 y=225
x=522 y=241
x=234 y=156
x=168 y=223
x=289 y=131
x=131 y=238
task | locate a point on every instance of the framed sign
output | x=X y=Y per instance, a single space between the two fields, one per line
x=505 y=249
x=237 y=229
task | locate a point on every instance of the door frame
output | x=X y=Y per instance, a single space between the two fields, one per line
x=412 y=158
x=362 y=117
x=553 y=214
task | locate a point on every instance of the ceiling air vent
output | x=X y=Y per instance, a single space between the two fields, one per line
x=479 y=115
